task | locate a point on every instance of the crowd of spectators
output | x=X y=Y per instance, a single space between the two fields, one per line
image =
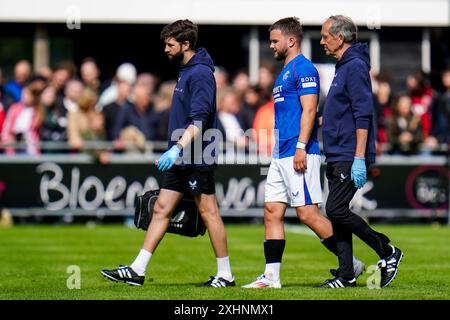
x=75 y=107
x=415 y=120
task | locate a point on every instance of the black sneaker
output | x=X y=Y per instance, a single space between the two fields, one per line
x=124 y=274
x=337 y=282
x=218 y=282
x=389 y=266
x=358 y=268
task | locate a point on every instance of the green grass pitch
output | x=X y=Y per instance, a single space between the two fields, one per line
x=35 y=261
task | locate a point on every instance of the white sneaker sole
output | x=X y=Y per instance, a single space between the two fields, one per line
x=120 y=280
x=274 y=286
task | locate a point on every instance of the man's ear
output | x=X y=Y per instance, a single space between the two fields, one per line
x=185 y=45
x=291 y=42
x=341 y=40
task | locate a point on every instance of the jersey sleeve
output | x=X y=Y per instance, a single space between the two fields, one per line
x=307 y=79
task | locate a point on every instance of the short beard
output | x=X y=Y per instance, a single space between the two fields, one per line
x=280 y=56
x=177 y=59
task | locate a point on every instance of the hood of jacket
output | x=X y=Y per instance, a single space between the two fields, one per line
x=357 y=51
x=201 y=56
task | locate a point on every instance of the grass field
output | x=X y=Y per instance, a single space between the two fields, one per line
x=34 y=262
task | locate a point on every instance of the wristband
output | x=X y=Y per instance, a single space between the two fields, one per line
x=179 y=146
x=301 y=145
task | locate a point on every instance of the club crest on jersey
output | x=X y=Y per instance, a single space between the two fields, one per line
x=286 y=75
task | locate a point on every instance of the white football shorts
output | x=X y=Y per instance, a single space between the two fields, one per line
x=284 y=184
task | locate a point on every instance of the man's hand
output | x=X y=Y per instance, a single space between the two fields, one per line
x=300 y=160
x=168 y=159
x=358 y=172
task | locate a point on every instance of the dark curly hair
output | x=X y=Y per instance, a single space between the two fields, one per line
x=181 y=30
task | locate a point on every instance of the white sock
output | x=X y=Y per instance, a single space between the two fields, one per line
x=139 y=265
x=224 y=269
x=272 y=271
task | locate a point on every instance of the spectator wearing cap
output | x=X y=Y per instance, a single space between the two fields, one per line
x=125 y=72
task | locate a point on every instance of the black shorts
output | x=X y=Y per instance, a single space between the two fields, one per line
x=190 y=180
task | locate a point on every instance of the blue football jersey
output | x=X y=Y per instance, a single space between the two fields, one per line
x=299 y=77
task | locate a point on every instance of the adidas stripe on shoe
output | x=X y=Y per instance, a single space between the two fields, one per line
x=337 y=283
x=124 y=274
x=218 y=282
x=389 y=266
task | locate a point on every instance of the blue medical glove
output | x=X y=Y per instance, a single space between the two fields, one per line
x=168 y=158
x=358 y=173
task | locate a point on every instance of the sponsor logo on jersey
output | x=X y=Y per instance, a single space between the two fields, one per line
x=309 y=82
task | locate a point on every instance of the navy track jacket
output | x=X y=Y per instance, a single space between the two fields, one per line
x=349 y=106
x=194 y=102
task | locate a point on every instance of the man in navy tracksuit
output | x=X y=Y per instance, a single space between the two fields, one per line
x=190 y=161
x=349 y=147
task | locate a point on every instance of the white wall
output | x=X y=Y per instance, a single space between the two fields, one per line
x=376 y=13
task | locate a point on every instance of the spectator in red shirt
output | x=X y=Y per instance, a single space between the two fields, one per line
x=24 y=118
x=421 y=95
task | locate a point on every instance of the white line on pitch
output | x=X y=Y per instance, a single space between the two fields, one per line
x=300 y=230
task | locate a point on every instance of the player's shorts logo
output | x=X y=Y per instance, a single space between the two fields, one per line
x=193 y=184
